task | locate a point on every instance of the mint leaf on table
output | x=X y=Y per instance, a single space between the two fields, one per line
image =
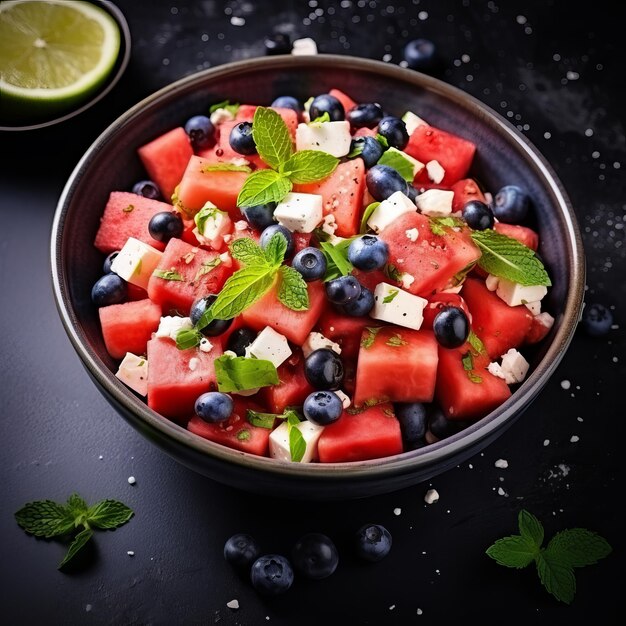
x=263 y=186
x=307 y=166
x=45 y=518
x=393 y=158
x=242 y=373
x=555 y=564
x=271 y=137
x=293 y=291
x=507 y=258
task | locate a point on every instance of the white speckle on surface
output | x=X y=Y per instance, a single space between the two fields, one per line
x=130 y=552
x=237 y=21
x=386 y=58
x=438 y=572
x=131 y=480
x=422 y=15
x=233 y=604
x=501 y=491
x=88 y=607
x=432 y=495
x=589 y=132
x=521 y=19
x=465 y=58
x=470 y=466
x=565 y=384
x=100 y=457
x=420 y=612
x=501 y=463
x=392 y=607
x=572 y=75
x=397 y=511
x=547 y=135
x=546 y=442
x=574 y=438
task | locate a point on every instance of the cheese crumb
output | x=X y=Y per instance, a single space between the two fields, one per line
x=502 y=463
x=304 y=46
x=233 y=604
x=193 y=363
x=546 y=442
x=130 y=552
x=565 y=384
x=397 y=511
x=131 y=480
x=205 y=346
x=432 y=495
x=412 y=234
x=574 y=438
x=435 y=171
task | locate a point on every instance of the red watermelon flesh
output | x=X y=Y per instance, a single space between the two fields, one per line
x=523 y=234
x=221 y=152
x=344 y=330
x=293 y=388
x=290 y=117
x=347 y=102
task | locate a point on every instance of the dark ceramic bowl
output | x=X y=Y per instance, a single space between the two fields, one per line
x=504 y=156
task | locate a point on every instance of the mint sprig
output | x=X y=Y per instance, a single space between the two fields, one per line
x=46 y=518
x=507 y=258
x=242 y=373
x=275 y=147
x=297 y=444
x=337 y=263
x=568 y=549
x=393 y=158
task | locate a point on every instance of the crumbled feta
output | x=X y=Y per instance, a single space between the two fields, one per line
x=501 y=463
x=435 y=202
x=389 y=210
x=412 y=234
x=133 y=372
x=495 y=370
x=330 y=137
x=271 y=346
x=432 y=495
x=304 y=46
x=533 y=307
x=241 y=225
x=212 y=225
x=233 y=604
x=239 y=161
x=406 y=279
x=329 y=226
x=412 y=121
x=226 y=259
x=205 y=345
x=514 y=366
x=345 y=399
x=455 y=289
x=394 y=305
x=279 y=441
x=131 y=480
x=515 y=294
x=193 y=363
x=545 y=319
x=170 y=325
x=221 y=115
x=435 y=171
x=316 y=341
x=136 y=261
x=491 y=282
x=299 y=212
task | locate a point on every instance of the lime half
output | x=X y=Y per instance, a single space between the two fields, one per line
x=53 y=54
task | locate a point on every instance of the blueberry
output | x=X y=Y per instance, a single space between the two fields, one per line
x=322 y=407
x=393 y=129
x=368 y=253
x=371 y=150
x=214 y=407
x=359 y=306
x=213 y=328
x=412 y=417
x=201 y=132
x=382 y=181
x=241 y=551
x=315 y=556
x=109 y=289
x=271 y=574
x=365 y=115
x=421 y=55
x=240 y=339
x=311 y=263
x=147 y=189
x=440 y=426
x=323 y=369
x=326 y=103
x=278 y=43
x=270 y=231
x=478 y=215
x=260 y=216
x=342 y=289
x=511 y=204
x=165 y=225
x=106 y=266
x=372 y=542
x=288 y=102
x=241 y=139
x=597 y=320
x=451 y=327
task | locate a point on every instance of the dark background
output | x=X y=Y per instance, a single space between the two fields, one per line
x=553 y=70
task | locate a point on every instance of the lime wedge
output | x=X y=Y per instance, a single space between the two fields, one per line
x=53 y=54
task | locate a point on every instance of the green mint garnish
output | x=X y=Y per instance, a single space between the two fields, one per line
x=438 y=225
x=393 y=158
x=274 y=146
x=507 y=258
x=206 y=267
x=324 y=117
x=45 y=518
x=250 y=253
x=188 y=338
x=357 y=150
x=477 y=345
x=575 y=547
x=366 y=215
x=262 y=420
x=168 y=275
x=293 y=290
x=241 y=373
x=382 y=140
x=226 y=167
x=468 y=365
x=337 y=263
x=396 y=341
x=243 y=435
x=392 y=272
x=225 y=104
x=297 y=444
x=368 y=340
x=392 y=294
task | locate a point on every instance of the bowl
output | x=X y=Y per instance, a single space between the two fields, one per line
x=504 y=156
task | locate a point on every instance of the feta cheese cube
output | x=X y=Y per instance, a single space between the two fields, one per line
x=545 y=319
x=412 y=234
x=299 y=212
x=514 y=366
x=435 y=171
x=279 y=441
x=304 y=46
x=412 y=121
x=435 y=202
x=171 y=324
x=515 y=294
x=418 y=166
x=495 y=369
x=212 y=225
x=491 y=282
x=317 y=341
x=397 y=306
x=133 y=372
x=331 y=137
x=136 y=261
x=271 y=346
x=533 y=307
x=389 y=210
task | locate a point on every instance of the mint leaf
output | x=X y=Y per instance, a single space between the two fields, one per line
x=514 y=551
x=204 y=214
x=393 y=158
x=79 y=541
x=108 y=514
x=45 y=518
x=226 y=167
x=293 y=291
x=396 y=341
x=529 y=526
x=337 y=263
x=392 y=272
x=241 y=373
x=307 y=166
x=188 y=338
x=468 y=361
x=275 y=250
x=477 y=346
x=225 y=104
x=556 y=576
x=297 y=444
x=368 y=340
x=206 y=267
x=578 y=547
x=262 y=420
x=366 y=215
x=248 y=252
x=263 y=186
x=438 y=225
x=508 y=258
x=76 y=505
x=390 y=297
x=272 y=137
x=357 y=149
x=382 y=140
x=168 y=275
x=324 y=117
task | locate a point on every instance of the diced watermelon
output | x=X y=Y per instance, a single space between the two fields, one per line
x=135 y=292
x=397 y=365
x=365 y=132
x=129 y=326
x=301 y=241
x=432 y=260
x=465 y=190
x=467 y=394
x=295 y=325
x=453 y=153
x=177 y=377
x=293 y=388
x=439 y=301
x=221 y=152
x=198 y=187
x=344 y=330
x=539 y=328
x=127 y=215
x=196 y=273
x=371 y=278
x=499 y=325
x=342 y=195
x=165 y=159
x=236 y=432
x=370 y=434
x=345 y=99
x=523 y=234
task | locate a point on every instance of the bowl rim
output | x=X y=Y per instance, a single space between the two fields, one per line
x=119 y=68
x=406 y=462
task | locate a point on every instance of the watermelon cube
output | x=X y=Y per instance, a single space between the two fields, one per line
x=344 y=330
x=293 y=387
x=221 y=152
x=523 y=234
x=347 y=102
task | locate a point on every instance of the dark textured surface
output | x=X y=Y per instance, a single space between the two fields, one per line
x=555 y=72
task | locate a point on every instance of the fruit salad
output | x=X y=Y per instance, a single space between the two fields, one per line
x=318 y=282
